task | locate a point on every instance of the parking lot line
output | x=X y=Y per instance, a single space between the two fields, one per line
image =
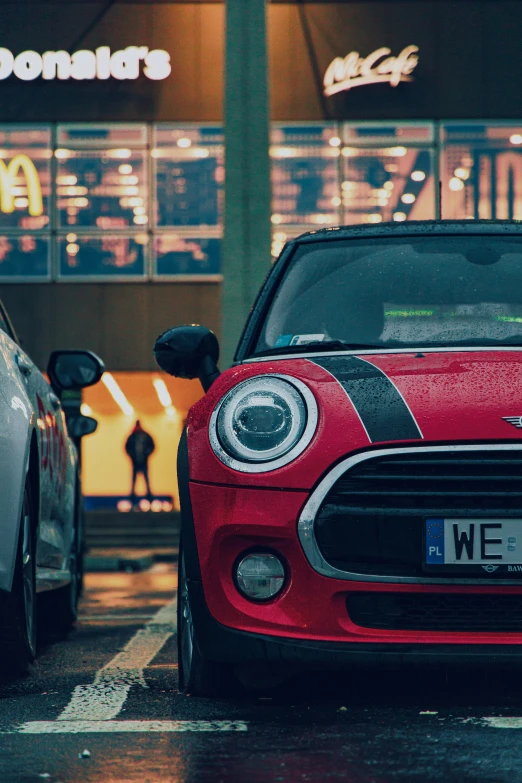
x=92 y=708
x=105 y=697
x=126 y=726
x=503 y=723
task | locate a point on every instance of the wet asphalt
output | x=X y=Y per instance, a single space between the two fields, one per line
x=366 y=728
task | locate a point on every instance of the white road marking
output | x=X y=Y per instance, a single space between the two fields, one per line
x=104 y=699
x=503 y=723
x=93 y=707
x=116 y=726
x=108 y=617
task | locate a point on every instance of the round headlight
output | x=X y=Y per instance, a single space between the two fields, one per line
x=263 y=420
x=260 y=576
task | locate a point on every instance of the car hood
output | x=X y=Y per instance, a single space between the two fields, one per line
x=375 y=400
x=433 y=396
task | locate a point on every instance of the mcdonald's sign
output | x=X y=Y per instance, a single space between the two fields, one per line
x=8 y=174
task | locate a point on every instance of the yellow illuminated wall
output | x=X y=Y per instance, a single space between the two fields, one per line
x=106 y=467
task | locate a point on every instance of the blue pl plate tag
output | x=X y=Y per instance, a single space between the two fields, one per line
x=435 y=541
x=283 y=340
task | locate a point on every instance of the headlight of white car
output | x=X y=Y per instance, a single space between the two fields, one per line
x=263 y=423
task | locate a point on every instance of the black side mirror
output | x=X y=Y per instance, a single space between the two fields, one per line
x=80 y=426
x=189 y=352
x=69 y=370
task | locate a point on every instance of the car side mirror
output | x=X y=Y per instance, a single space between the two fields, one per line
x=80 y=426
x=189 y=352
x=69 y=370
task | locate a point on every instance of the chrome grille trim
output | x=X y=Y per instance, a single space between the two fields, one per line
x=306 y=523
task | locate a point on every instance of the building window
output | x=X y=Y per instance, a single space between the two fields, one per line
x=305 y=175
x=348 y=174
x=134 y=201
x=188 y=176
x=101 y=188
x=100 y=256
x=387 y=173
x=481 y=170
x=102 y=201
x=24 y=256
x=111 y=201
x=25 y=198
x=181 y=255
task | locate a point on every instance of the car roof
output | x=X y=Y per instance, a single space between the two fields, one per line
x=412 y=228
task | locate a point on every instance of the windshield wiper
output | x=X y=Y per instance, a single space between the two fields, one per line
x=328 y=345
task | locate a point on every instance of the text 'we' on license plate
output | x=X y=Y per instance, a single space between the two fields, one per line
x=492 y=544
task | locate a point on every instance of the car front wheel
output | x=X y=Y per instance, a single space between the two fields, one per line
x=198 y=676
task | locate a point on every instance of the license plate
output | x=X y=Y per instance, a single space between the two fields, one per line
x=493 y=546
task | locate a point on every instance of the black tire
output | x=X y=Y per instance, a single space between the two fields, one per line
x=81 y=548
x=198 y=676
x=81 y=569
x=18 y=608
x=59 y=608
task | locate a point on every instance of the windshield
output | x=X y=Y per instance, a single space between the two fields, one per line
x=399 y=293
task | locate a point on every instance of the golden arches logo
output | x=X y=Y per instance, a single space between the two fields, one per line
x=8 y=174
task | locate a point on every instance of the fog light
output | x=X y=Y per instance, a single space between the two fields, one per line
x=260 y=576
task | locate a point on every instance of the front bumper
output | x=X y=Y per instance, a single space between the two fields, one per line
x=232 y=646
x=310 y=618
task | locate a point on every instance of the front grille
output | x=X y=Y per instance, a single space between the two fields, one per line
x=436 y=612
x=371 y=521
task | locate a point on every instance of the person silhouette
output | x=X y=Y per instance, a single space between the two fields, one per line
x=139 y=446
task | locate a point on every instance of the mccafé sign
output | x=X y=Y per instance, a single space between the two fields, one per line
x=8 y=175
x=345 y=73
x=84 y=64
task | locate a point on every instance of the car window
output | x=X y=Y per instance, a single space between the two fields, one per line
x=400 y=292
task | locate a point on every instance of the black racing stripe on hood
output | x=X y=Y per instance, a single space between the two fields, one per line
x=380 y=406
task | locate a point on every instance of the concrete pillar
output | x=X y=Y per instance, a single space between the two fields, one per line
x=247 y=240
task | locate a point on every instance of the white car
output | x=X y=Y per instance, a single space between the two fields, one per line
x=40 y=497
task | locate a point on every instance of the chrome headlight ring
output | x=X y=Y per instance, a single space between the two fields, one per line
x=260 y=465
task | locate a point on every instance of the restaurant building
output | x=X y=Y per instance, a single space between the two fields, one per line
x=112 y=163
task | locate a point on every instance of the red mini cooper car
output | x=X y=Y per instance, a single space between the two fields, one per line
x=351 y=489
